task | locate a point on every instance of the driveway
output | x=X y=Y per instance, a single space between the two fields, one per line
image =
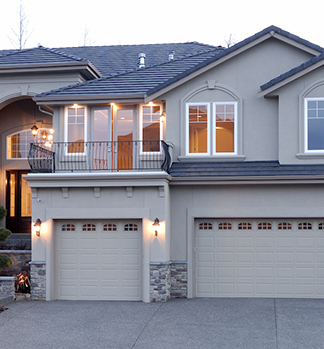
x=183 y=323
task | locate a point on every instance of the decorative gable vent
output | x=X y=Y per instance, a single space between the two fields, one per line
x=142 y=57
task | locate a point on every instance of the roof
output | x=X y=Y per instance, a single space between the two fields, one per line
x=144 y=82
x=302 y=67
x=233 y=170
x=121 y=58
x=138 y=82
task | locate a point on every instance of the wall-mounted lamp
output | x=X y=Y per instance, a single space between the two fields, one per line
x=38 y=226
x=155 y=225
x=162 y=116
x=34 y=129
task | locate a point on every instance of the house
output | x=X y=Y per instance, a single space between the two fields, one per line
x=197 y=172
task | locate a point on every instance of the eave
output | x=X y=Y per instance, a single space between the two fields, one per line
x=87 y=69
x=96 y=99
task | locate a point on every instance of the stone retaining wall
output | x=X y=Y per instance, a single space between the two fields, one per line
x=20 y=259
x=7 y=286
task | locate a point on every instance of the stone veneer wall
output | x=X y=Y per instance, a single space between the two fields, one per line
x=160 y=274
x=38 y=281
x=179 y=277
x=168 y=280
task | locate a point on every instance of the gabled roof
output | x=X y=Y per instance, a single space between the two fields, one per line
x=141 y=83
x=292 y=74
x=238 y=170
x=120 y=58
x=41 y=58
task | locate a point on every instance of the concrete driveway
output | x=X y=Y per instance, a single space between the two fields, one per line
x=183 y=323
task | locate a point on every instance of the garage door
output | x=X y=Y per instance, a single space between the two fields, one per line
x=259 y=258
x=98 y=260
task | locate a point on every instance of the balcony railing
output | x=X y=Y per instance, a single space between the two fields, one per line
x=99 y=156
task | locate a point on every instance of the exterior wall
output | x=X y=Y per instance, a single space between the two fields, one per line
x=100 y=196
x=237 y=201
x=239 y=79
x=291 y=118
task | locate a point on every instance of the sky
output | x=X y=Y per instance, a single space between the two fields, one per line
x=63 y=23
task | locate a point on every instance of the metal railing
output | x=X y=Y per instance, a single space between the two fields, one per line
x=99 y=156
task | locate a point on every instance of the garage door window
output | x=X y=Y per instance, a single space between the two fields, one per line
x=225 y=226
x=320 y=226
x=304 y=226
x=265 y=226
x=68 y=227
x=110 y=227
x=130 y=227
x=245 y=225
x=284 y=226
x=89 y=227
x=205 y=226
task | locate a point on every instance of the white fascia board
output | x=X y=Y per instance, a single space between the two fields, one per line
x=66 y=100
x=100 y=179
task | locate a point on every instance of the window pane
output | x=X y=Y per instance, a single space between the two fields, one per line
x=224 y=128
x=151 y=128
x=25 y=199
x=316 y=134
x=76 y=130
x=198 y=129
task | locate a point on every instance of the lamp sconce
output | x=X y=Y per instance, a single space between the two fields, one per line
x=34 y=130
x=155 y=225
x=38 y=226
x=162 y=116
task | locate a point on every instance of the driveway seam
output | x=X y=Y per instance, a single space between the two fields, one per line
x=276 y=323
x=147 y=322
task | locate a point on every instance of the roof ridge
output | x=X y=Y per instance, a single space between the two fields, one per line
x=16 y=51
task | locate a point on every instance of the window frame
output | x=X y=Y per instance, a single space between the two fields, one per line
x=188 y=105
x=235 y=128
x=211 y=124
x=306 y=150
x=66 y=128
x=140 y=126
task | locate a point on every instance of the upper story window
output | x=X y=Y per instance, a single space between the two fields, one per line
x=18 y=144
x=211 y=128
x=75 y=121
x=314 y=124
x=150 y=127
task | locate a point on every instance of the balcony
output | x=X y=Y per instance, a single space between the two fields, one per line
x=110 y=156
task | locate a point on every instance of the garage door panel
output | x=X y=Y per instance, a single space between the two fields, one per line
x=270 y=258
x=98 y=260
x=109 y=244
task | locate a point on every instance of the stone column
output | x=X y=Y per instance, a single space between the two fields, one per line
x=38 y=281
x=160 y=281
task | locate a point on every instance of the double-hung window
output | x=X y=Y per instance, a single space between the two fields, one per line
x=314 y=124
x=76 y=129
x=212 y=128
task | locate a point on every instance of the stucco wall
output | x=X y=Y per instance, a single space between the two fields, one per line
x=250 y=201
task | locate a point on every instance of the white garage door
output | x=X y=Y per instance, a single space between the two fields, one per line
x=259 y=258
x=98 y=260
